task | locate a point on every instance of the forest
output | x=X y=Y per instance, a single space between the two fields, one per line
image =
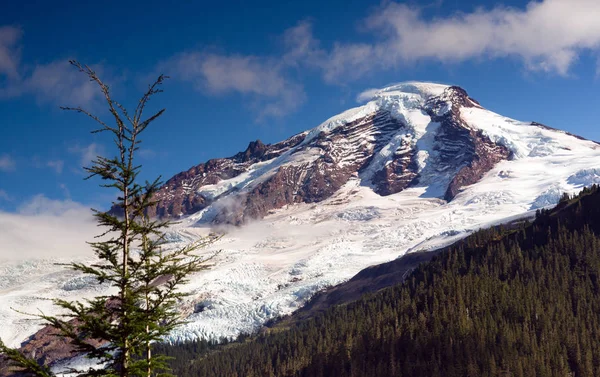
x=519 y=300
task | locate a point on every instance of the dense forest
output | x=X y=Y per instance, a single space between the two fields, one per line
x=518 y=300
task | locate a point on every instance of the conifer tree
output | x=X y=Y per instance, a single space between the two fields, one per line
x=118 y=331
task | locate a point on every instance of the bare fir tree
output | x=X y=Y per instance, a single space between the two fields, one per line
x=117 y=332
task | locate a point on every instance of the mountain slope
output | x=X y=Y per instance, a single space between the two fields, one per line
x=519 y=302
x=417 y=167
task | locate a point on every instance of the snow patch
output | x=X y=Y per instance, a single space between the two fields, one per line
x=547 y=198
x=585 y=177
x=360 y=214
x=79 y=282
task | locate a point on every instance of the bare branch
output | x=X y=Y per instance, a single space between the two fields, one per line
x=124 y=111
x=83 y=111
x=152 y=89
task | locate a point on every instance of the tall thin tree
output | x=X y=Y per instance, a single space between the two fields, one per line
x=117 y=331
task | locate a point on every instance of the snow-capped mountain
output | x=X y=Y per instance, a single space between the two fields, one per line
x=418 y=166
x=410 y=135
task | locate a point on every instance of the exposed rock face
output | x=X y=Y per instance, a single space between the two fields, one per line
x=399 y=173
x=466 y=152
x=340 y=154
x=381 y=148
x=179 y=195
x=484 y=154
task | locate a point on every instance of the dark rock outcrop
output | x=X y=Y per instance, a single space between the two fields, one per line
x=47 y=347
x=467 y=153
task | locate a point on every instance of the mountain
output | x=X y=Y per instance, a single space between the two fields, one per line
x=507 y=301
x=417 y=167
x=409 y=135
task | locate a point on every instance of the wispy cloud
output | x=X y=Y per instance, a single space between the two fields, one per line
x=262 y=79
x=7 y=163
x=301 y=47
x=87 y=153
x=61 y=229
x=53 y=82
x=56 y=165
x=56 y=82
x=4 y=196
x=146 y=153
x=546 y=36
x=65 y=190
x=10 y=53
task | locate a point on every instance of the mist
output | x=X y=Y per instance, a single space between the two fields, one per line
x=45 y=228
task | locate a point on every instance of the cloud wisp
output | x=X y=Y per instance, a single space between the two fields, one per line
x=87 y=153
x=546 y=36
x=263 y=80
x=10 y=52
x=55 y=82
x=4 y=196
x=56 y=165
x=7 y=163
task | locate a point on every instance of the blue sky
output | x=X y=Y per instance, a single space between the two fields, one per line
x=242 y=71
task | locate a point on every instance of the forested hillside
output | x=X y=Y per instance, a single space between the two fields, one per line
x=519 y=301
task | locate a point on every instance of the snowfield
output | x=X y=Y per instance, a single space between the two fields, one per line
x=270 y=267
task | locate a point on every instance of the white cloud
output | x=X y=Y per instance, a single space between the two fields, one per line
x=58 y=82
x=54 y=82
x=547 y=36
x=262 y=79
x=7 y=163
x=301 y=46
x=46 y=228
x=87 y=153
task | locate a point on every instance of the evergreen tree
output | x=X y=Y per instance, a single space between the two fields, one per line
x=118 y=331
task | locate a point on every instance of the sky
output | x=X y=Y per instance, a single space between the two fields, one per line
x=241 y=71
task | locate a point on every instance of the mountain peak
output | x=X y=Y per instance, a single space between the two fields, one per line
x=256 y=150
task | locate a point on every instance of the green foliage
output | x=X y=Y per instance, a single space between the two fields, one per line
x=118 y=331
x=519 y=300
